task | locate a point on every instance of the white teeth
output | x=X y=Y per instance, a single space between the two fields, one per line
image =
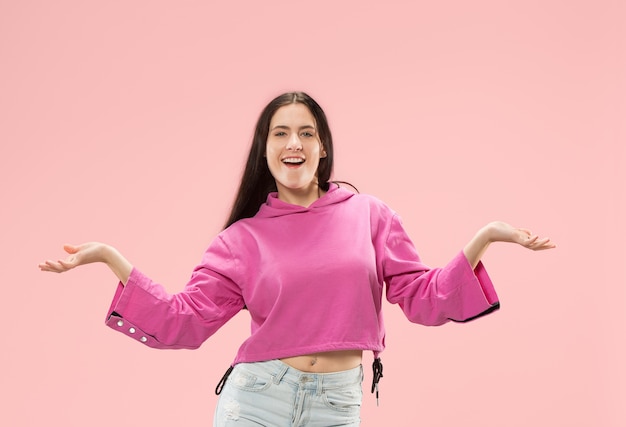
x=293 y=160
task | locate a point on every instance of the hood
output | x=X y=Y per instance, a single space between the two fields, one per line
x=274 y=207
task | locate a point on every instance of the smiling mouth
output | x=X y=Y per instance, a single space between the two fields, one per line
x=293 y=161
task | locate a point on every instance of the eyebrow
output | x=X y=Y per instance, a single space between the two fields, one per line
x=288 y=128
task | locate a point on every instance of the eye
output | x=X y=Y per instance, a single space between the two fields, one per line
x=280 y=133
x=307 y=134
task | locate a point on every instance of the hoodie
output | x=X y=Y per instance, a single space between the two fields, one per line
x=312 y=278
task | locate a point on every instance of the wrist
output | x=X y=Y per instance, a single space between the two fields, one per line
x=486 y=235
x=116 y=262
x=107 y=254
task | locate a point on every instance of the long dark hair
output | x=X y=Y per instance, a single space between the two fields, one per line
x=257 y=181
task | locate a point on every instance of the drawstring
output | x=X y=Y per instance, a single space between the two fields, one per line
x=222 y=382
x=377 y=366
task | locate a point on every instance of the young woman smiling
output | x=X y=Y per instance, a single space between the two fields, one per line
x=310 y=261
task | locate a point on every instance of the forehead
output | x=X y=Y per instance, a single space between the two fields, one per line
x=293 y=115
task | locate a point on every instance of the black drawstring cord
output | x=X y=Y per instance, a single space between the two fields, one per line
x=222 y=382
x=377 y=366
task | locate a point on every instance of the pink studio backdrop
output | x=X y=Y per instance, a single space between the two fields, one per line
x=128 y=122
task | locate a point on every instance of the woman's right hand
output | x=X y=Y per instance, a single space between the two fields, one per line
x=88 y=253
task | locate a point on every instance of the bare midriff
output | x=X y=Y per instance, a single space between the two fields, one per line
x=322 y=363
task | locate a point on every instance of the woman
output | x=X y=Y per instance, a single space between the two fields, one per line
x=309 y=260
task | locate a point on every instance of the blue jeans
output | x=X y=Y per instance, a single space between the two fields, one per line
x=273 y=394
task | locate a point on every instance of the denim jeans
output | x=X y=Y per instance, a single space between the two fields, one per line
x=273 y=394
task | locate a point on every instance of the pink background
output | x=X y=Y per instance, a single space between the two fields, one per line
x=128 y=122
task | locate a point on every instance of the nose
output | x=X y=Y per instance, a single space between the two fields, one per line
x=294 y=142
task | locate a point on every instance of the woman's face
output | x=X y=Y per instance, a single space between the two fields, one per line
x=293 y=152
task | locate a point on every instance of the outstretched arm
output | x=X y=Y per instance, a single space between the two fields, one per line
x=88 y=253
x=499 y=231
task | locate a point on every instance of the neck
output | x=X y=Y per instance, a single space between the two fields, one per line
x=300 y=196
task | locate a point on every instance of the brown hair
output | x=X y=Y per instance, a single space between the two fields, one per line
x=257 y=181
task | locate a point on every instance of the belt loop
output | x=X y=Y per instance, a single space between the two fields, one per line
x=281 y=373
x=320 y=384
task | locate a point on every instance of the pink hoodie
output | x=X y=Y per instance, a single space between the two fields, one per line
x=312 y=279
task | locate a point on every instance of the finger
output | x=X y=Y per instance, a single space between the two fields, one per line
x=543 y=248
x=70 y=249
x=547 y=245
x=67 y=264
x=530 y=241
x=51 y=266
x=542 y=244
x=43 y=267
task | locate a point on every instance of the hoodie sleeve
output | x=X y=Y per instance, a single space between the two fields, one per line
x=438 y=295
x=145 y=311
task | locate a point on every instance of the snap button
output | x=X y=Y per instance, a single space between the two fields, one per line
x=143 y=339
x=120 y=323
x=132 y=330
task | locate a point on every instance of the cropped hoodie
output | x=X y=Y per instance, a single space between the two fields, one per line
x=312 y=279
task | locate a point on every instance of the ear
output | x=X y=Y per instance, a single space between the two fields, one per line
x=323 y=154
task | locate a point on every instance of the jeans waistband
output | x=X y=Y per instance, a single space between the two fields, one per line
x=284 y=372
x=281 y=372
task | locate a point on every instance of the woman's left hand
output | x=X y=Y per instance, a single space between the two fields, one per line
x=499 y=231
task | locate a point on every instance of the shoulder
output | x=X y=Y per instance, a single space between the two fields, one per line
x=367 y=208
x=375 y=205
